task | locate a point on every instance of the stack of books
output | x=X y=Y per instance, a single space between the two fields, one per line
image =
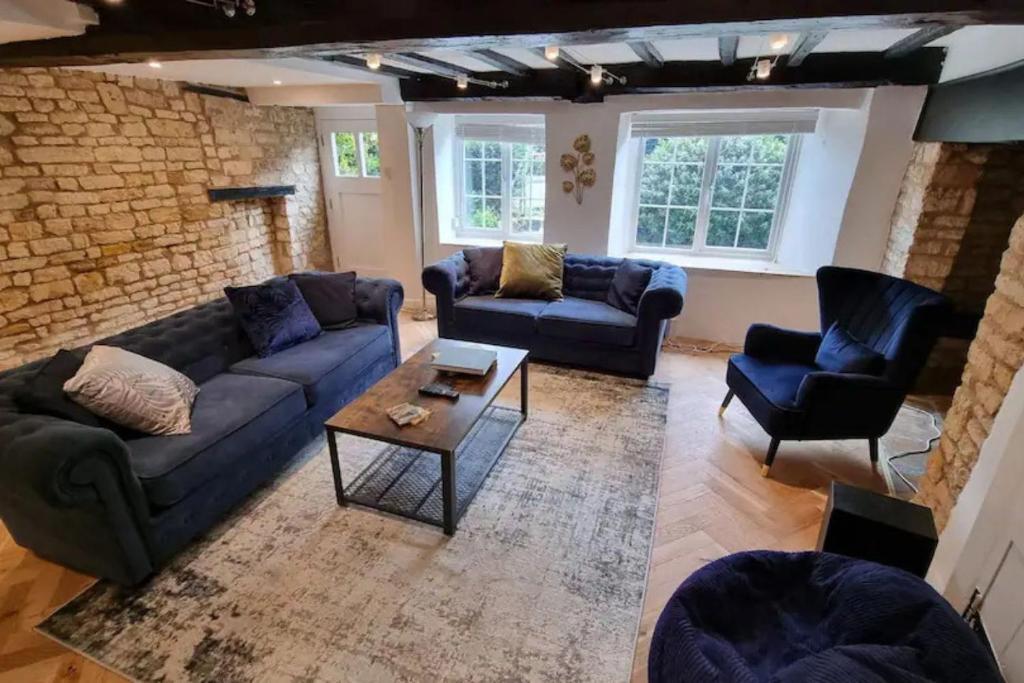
x=408 y=414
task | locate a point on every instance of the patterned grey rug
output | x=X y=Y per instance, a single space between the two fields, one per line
x=543 y=581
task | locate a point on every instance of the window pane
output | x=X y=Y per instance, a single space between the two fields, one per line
x=736 y=148
x=346 y=158
x=755 y=230
x=654 y=183
x=763 y=187
x=686 y=184
x=473 y=149
x=492 y=213
x=371 y=154
x=650 y=226
x=492 y=150
x=729 y=179
x=474 y=211
x=659 y=149
x=527 y=188
x=474 y=177
x=681 y=226
x=770 y=149
x=691 y=149
x=492 y=178
x=722 y=228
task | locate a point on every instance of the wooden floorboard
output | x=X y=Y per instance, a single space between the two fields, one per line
x=712 y=501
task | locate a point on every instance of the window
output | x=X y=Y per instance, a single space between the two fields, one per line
x=719 y=194
x=356 y=154
x=500 y=181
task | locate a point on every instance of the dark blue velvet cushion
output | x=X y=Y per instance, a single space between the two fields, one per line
x=812 y=618
x=628 y=285
x=331 y=297
x=484 y=264
x=840 y=352
x=43 y=394
x=274 y=315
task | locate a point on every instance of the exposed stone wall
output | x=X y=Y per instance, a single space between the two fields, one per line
x=105 y=221
x=995 y=355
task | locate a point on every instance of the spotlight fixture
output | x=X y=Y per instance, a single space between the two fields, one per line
x=154 y=64
x=597 y=74
x=551 y=53
x=763 y=69
x=462 y=81
x=777 y=41
x=373 y=60
x=277 y=82
x=228 y=7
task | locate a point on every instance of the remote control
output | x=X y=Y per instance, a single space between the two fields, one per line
x=439 y=389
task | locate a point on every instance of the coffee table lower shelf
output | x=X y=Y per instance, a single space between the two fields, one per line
x=409 y=482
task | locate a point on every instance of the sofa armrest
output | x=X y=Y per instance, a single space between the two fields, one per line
x=665 y=293
x=856 y=404
x=447 y=280
x=775 y=343
x=68 y=492
x=380 y=300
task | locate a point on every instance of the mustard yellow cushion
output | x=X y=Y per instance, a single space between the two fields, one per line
x=532 y=271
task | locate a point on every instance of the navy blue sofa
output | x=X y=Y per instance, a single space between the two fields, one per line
x=119 y=508
x=792 y=398
x=579 y=330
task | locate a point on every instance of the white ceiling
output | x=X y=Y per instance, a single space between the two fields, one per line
x=39 y=19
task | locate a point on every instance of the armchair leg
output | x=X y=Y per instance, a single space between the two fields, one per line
x=769 y=458
x=725 y=402
x=873 y=447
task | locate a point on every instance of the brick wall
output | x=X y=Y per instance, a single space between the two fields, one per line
x=104 y=218
x=995 y=355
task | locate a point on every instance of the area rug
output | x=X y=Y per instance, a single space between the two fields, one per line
x=543 y=581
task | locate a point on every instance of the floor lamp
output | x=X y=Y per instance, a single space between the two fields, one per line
x=421 y=133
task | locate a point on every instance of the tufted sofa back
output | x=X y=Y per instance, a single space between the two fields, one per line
x=590 y=277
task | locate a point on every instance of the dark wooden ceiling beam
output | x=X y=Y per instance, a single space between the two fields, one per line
x=360 y=63
x=727 y=47
x=825 y=70
x=918 y=39
x=500 y=62
x=647 y=53
x=427 y=63
x=142 y=29
x=805 y=44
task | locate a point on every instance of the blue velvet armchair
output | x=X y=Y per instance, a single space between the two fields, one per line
x=793 y=398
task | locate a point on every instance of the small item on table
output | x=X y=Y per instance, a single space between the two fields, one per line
x=408 y=414
x=440 y=389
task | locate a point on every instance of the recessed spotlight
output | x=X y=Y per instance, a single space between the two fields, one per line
x=597 y=74
x=551 y=52
x=778 y=41
x=373 y=60
x=113 y=2
x=277 y=82
x=764 y=68
x=462 y=82
x=154 y=64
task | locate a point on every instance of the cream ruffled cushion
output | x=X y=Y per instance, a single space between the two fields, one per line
x=134 y=391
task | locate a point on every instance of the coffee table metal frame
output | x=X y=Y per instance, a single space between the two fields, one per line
x=449 y=491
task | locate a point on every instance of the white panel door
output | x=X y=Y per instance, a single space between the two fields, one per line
x=1002 y=585
x=350 y=168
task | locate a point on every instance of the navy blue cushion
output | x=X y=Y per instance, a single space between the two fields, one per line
x=515 y=317
x=484 y=266
x=585 y=320
x=840 y=352
x=327 y=364
x=274 y=315
x=331 y=297
x=43 y=394
x=812 y=617
x=777 y=382
x=232 y=416
x=628 y=285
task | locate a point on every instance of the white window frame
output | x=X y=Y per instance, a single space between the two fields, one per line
x=360 y=153
x=699 y=247
x=504 y=231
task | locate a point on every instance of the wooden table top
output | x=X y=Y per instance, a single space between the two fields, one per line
x=449 y=421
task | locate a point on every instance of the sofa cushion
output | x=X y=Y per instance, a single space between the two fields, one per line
x=499 y=316
x=532 y=271
x=776 y=382
x=325 y=365
x=233 y=415
x=841 y=352
x=43 y=394
x=586 y=320
x=331 y=297
x=274 y=315
x=628 y=285
x=484 y=266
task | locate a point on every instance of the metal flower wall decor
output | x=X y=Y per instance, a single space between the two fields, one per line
x=580 y=163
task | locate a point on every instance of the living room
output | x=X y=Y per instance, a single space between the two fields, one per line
x=633 y=342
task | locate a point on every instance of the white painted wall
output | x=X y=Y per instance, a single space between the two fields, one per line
x=977 y=49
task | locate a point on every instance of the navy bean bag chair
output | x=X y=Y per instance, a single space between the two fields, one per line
x=806 y=617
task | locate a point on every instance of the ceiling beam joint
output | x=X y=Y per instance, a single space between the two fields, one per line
x=727 y=47
x=648 y=54
x=804 y=46
x=915 y=41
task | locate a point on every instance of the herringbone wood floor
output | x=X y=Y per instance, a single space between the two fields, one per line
x=712 y=502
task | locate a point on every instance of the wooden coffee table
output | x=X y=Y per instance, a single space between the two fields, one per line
x=442 y=433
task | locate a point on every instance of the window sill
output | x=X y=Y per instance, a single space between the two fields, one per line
x=725 y=265
x=453 y=241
